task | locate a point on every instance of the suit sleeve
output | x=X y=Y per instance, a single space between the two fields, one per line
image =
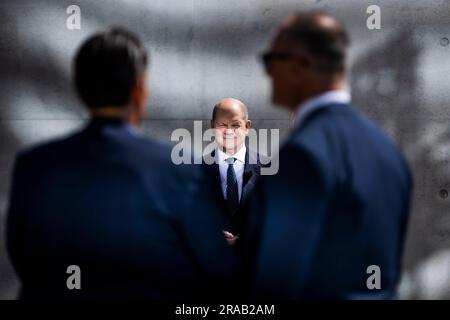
x=288 y=211
x=14 y=231
x=202 y=226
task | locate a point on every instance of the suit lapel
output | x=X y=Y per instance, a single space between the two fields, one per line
x=251 y=172
x=214 y=172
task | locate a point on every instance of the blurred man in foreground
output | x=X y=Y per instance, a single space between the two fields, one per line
x=338 y=206
x=110 y=202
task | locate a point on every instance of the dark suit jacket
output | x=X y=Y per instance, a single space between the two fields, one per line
x=338 y=205
x=112 y=202
x=252 y=170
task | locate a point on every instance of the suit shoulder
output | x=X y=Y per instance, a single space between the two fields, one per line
x=153 y=147
x=258 y=158
x=159 y=155
x=46 y=149
x=338 y=123
x=334 y=134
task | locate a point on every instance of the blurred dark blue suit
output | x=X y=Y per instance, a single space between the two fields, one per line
x=338 y=204
x=112 y=202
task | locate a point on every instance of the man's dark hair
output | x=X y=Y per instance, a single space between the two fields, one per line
x=107 y=67
x=327 y=44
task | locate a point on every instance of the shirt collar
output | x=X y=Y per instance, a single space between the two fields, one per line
x=327 y=98
x=100 y=121
x=240 y=155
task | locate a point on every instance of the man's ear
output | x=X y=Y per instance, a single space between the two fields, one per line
x=139 y=99
x=140 y=93
x=248 y=124
x=305 y=61
x=302 y=63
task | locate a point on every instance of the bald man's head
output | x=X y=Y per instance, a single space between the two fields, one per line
x=231 y=124
x=230 y=105
x=318 y=34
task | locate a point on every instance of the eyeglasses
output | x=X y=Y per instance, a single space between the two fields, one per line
x=268 y=57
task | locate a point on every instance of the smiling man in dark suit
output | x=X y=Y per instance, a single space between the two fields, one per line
x=236 y=167
x=102 y=199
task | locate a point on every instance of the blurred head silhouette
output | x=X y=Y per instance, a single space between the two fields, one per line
x=111 y=77
x=306 y=58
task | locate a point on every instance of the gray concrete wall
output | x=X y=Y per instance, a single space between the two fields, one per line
x=202 y=51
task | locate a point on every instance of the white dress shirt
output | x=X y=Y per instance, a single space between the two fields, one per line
x=238 y=166
x=323 y=100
